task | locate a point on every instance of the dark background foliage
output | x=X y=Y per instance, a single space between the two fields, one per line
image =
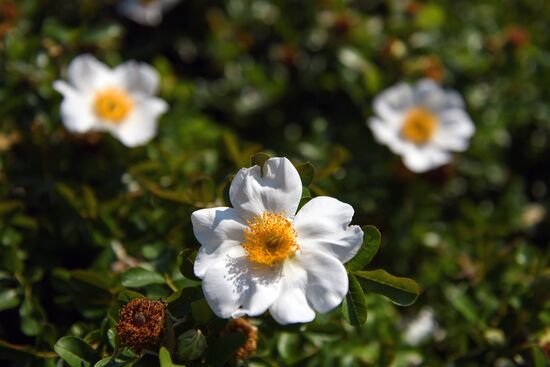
x=297 y=79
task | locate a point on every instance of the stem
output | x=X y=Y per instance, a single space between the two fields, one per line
x=170 y=283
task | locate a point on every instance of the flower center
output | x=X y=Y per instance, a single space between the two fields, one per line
x=419 y=125
x=269 y=239
x=112 y=104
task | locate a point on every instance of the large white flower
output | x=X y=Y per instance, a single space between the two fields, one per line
x=422 y=123
x=146 y=12
x=121 y=100
x=262 y=255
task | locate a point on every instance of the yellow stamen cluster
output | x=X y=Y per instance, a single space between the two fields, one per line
x=269 y=239
x=419 y=125
x=112 y=105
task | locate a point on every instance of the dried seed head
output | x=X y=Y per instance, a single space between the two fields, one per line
x=141 y=324
x=250 y=331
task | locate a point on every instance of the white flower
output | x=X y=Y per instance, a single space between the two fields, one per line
x=423 y=123
x=121 y=100
x=146 y=12
x=422 y=327
x=262 y=255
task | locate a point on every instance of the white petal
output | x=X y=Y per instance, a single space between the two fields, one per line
x=327 y=280
x=393 y=103
x=141 y=126
x=431 y=95
x=423 y=158
x=292 y=305
x=278 y=191
x=322 y=225
x=454 y=100
x=145 y=14
x=215 y=226
x=454 y=130
x=261 y=285
x=138 y=77
x=388 y=134
x=456 y=121
x=86 y=73
x=75 y=109
x=234 y=287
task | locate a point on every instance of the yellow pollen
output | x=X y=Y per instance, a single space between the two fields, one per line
x=269 y=239
x=419 y=125
x=112 y=105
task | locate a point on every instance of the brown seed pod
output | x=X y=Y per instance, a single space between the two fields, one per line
x=141 y=324
x=250 y=331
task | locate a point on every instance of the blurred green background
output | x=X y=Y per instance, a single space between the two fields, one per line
x=297 y=79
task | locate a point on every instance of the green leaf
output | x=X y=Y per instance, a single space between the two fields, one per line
x=354 y=307
x=8 y=299
x=10 y=259
x=186 y=261
x=307 y=173
x=539 y=358
x=371 y=244
x=91 y=278
x=75 y=352
x=139 y=277
x=191 y=345
x=180 y=303
x=401 y=291
x=224 y=348
x=259 y=160
x=165 y=359
x=201 y=311
x=127 y=295
x=110 y=362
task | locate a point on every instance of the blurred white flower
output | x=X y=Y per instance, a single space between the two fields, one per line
x=121 y=100
x=422 y=123
x=422 y=327
x=146 y=12
x=262 y=255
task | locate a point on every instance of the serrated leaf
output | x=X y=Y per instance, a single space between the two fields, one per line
x=306 y=172
x=186 y=261
x=401 y=291
x=224 y=348
x=354 y=307
x=371 y=244
x=75 y=352
x=139 y=277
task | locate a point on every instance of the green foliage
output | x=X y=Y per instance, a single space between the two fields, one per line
x=354 y=307
x=371 y=244
x=76 y=352
x=87 y=225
